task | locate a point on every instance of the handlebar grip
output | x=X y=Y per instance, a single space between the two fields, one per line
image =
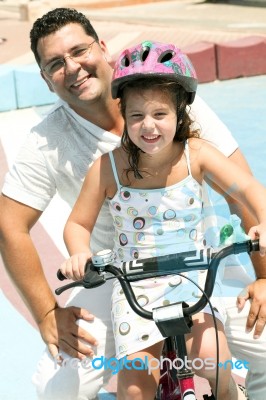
x=255 y=245
x=60 y=276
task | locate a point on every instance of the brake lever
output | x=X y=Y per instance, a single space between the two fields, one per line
x=93 y=278
x=71 y=285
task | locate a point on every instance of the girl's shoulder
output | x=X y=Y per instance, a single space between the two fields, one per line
x=196 y=141
x=204 y=154
x=101 y=169
x=101 y=163
x=201 y=152
x=105 y=160
x=194 y=145
x=101 y=175
x=110 y=161
x=199 y=144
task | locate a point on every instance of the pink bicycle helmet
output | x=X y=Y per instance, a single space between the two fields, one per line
x=154 y=59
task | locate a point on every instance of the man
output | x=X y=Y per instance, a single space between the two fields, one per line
x=85 y=123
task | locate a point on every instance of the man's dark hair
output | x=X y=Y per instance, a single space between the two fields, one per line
x=55 y=20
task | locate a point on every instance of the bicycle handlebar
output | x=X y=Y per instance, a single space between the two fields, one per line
x=205 y=259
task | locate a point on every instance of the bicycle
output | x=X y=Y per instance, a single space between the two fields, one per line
x=177 y=321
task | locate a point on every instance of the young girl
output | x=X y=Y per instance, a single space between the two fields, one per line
x=153 y=183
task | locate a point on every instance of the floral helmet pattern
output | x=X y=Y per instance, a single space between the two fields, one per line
x=154 y=59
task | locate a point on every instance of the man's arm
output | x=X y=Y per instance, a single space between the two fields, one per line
x=213 y=130
x=57 y=325
x=257 y=290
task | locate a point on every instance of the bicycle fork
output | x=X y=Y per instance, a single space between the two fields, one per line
x=176 y=385
x=184 y=375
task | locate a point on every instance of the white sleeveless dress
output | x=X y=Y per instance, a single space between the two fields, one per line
x=151 y=223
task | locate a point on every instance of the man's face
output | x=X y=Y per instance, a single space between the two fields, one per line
x=85 y=77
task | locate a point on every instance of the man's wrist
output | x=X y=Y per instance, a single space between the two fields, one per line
x=55 y=306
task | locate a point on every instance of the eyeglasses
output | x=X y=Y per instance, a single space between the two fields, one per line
x=78 y=55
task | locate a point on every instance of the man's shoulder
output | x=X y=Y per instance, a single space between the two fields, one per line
x=56 y=123
x=56 y=113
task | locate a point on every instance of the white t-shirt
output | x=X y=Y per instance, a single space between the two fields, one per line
x=61 y=148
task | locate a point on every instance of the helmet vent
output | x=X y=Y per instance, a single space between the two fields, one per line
x=166 y=56
x=145 y=53
x=125 y=62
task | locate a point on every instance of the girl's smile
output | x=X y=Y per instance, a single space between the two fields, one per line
x=151 y=139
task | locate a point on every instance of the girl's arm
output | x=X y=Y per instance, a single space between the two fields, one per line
x=235 y=182
x=79 y=226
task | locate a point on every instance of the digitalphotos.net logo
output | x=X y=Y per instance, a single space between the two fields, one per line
x=115 y=365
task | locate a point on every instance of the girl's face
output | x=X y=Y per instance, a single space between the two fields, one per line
x=151 y=119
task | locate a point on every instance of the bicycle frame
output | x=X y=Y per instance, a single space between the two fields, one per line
x=178 y=321
x=179 y=385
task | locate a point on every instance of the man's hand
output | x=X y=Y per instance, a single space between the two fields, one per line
x=60 y=330
x=256 y=292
